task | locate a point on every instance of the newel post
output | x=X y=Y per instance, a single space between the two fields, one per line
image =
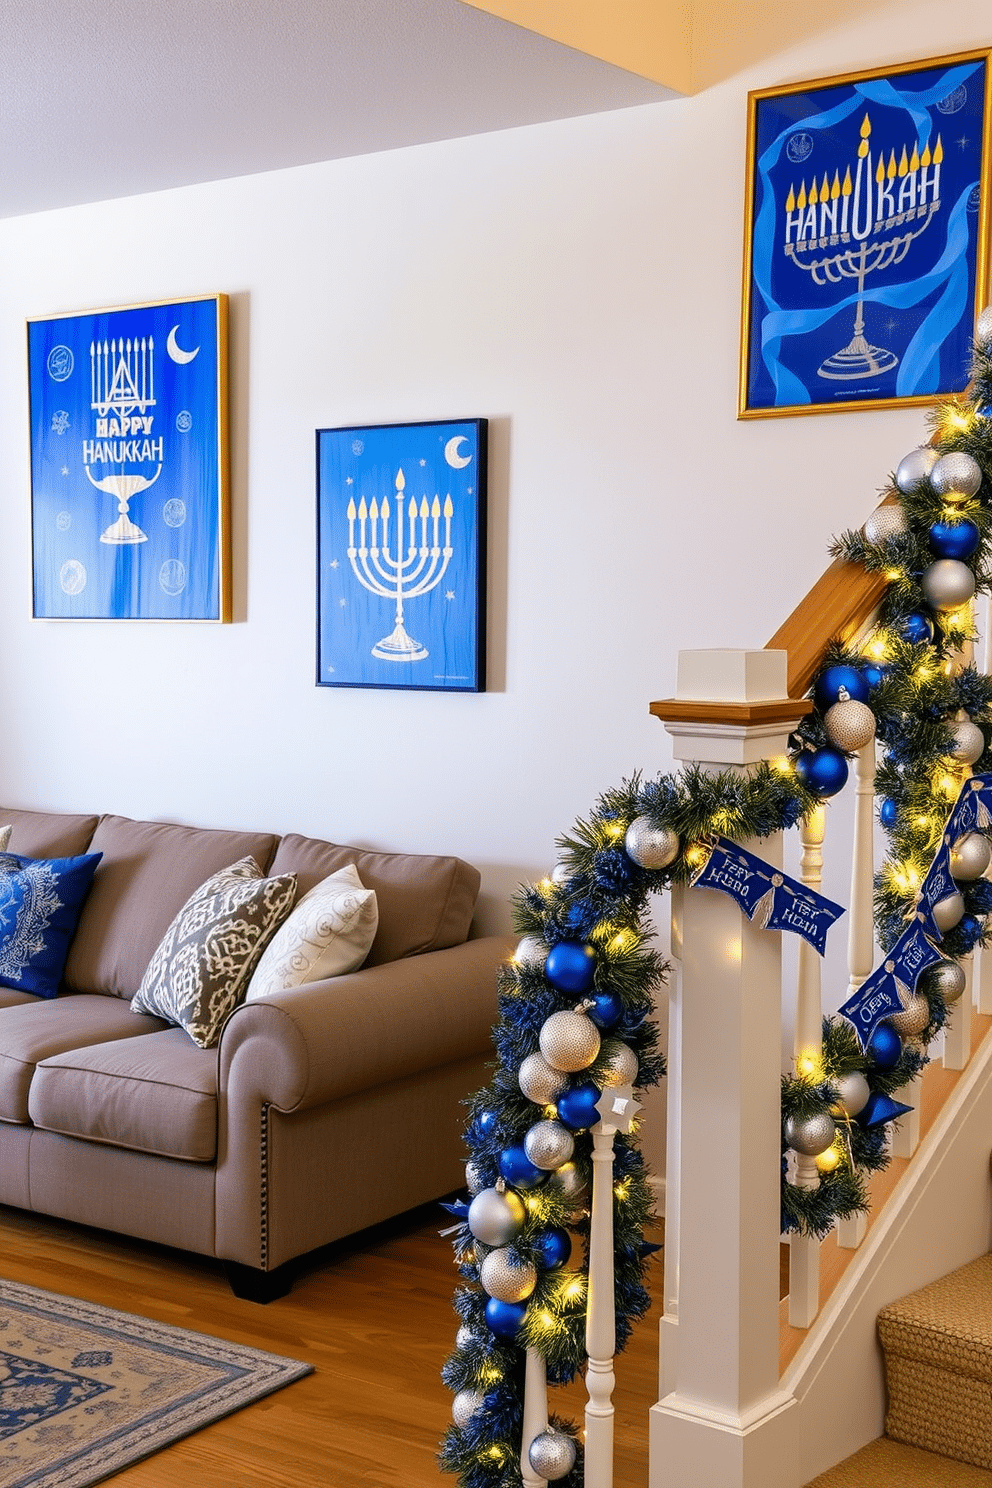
x=722 y=1421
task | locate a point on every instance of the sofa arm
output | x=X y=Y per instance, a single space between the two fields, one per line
x=326 y=1040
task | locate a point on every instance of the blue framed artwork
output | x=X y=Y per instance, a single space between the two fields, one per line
x=401 y=556
x=129 y=462
x=866 y=227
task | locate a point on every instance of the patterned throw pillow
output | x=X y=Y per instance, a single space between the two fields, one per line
x=329 y=933
x=40 y=902
x=201 y=969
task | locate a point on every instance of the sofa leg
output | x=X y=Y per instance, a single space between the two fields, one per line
x=253 y=1285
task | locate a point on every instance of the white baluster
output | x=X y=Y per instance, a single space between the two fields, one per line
x=804 y=1250
x=957 y=1029
x=983 y=958
x=904 y=1136
x=861 y=941
x=535 y=1414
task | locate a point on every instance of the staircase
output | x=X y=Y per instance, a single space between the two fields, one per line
x=937 y=1346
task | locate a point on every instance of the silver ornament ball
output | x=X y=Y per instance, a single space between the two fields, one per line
x=956 y=476
x=552 y=1455
x=968 y=744
x=650 y=847
x=915 y=467
x=569 y=1041
x=539 y=1082
x=560 y=874
x=947 y=912
x=495 y=1217
x=885 y=522
x=913 y=1019
x=464 y=1336
x=983 y=329
x=506 y=1279
x=948 y=583
x=531 y=951
x=970 y=856
x=617 y=1063
x=947 y=979
x=850 y=724
x=548 y=1144
x=810 y=1135
x=853 y=1091
x=473 y=1180
x=465 y=1405
x=569 y=1182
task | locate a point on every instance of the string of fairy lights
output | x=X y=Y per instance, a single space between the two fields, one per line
x=575 y=1000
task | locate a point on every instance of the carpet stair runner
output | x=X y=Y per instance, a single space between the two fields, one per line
x=938 y=1369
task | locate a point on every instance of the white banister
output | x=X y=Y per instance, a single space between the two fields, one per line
x=724 y=1422
x=804 y=1250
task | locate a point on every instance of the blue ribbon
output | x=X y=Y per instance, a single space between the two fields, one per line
x=770 y=898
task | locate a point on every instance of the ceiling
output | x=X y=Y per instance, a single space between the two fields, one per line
x=110 y=98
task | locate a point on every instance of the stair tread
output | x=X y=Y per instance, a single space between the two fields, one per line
x=947 y=1324
x=889 y=1464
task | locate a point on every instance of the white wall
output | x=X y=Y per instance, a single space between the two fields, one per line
x=577 y=283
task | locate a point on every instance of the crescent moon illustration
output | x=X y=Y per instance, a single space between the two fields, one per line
x=454 y=459
x=175 y=351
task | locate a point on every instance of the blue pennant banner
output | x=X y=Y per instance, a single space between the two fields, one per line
x=937 y=885
x=890 y=985
x=769 y=898
x=973 y=812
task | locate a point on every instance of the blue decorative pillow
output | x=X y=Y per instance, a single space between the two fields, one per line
x=40 y=901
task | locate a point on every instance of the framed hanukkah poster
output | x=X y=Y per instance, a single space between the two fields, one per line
x=866 y=238
x=129 y=463
x=401 y=556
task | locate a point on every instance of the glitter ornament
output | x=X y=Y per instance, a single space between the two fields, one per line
x=530 y=952
x=505 y=1319
x=968 y=744
x=548 y=1144
x=539 y=1082
x=983 y=328
x=853 y=1091
x=913 y=1019
x=571 y=966
x=552 y=1455
x=496 y=1216
x=506 y=1279
x=970 y=856
x=822 y=771
x=849 y=724
x=947 y=912
x=957 y=539
x=956 y=476
x=649 y=846
x=617 y=1063
x=884 y=1047
x=948 y=584
x=465 y=1405
x=946 y=979
x=810 y=1135
x=473 y=1178
x=915 y=467
x=569 y=1183
x=885 y=522
x=834 y=680
x=569 y=1040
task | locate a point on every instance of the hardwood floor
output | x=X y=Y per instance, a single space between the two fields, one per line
x=373 y=1314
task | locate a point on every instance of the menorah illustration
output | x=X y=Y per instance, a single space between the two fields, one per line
x=829 y=214
x=122 y=379
x=405 y=575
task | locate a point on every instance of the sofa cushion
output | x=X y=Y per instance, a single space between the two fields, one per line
x=40 y=902
x=5 y=837
x=155 y=1093
x=202 y=967
x=425 y=902
x=148 y=872
x=36 y=1030
x=48 y=834
x=328 y=934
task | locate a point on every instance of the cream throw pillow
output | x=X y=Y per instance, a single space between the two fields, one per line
x=329 y=933
x=5 y=837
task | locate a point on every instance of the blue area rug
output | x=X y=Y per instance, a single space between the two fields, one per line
x=86 y=1391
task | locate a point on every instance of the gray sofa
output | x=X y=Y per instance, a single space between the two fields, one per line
x=323 y=1109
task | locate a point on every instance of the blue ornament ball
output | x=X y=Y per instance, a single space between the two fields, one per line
x=516 y=1167
x=969 y=928
x=577 y=1107
x=505 y=1319
x=487 y=1120
x=571 y=966
x=884 y=1047
x=552 y=1248
x=606 y=1011
x=954 y=539
x=916 y=628
x=822 y=771
x=875 y=675
x=836 y=679
x=888 y=813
